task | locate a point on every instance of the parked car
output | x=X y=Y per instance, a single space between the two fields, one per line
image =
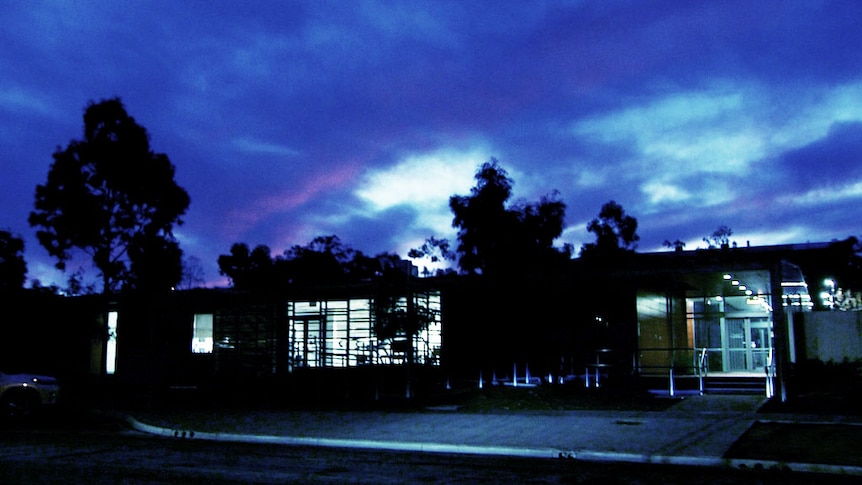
x=23 y=394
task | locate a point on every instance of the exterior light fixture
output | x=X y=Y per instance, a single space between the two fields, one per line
x=726 y=276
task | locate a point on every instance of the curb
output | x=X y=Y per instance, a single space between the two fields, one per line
x=499 y=451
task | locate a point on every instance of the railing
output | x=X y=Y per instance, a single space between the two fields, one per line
x=597 y=367
x=770 y=375
x=675 y=363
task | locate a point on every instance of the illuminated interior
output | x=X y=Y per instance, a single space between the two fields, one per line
x=340 y=333
x=202 y=334
x=111 y=354
x=720 y=320
x=318 y=333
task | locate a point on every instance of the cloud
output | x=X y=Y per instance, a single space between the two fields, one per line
x=424 y=182
x=658 y=192
x=25 y=101
x=687 y=133
x=251 y=145
x=850 y=192
x=280 y=203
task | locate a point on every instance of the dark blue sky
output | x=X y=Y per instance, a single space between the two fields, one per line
x=289 y=120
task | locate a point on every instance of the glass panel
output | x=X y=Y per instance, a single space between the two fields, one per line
x=736 y=345
x=707 y=333
x=111 y=361
x=359 y=332
x=202 y=334
x=313 y=357
x=336 y=335
x=761 y=343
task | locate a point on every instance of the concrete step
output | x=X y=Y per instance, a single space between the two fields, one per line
x=734 y=385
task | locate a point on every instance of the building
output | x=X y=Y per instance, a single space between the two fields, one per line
x=729 y=312
x=668 y=321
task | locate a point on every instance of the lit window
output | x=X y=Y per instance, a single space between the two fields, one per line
x=202 y=336
x=111 y=357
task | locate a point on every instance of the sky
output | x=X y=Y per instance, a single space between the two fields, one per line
x=288 y=120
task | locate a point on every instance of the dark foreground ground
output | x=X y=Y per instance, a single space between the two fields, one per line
x=830 y=444
x=77 y=445
x=821 y=428
x=84 y=457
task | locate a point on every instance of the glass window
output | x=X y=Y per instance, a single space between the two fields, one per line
x=202 y=335
x=111 y=360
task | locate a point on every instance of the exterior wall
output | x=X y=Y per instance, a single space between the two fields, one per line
x=245 y=340
x=833 y=336
x=665 y=333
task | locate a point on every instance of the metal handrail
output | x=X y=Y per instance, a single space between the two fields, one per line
x=770 y=374
x=703 y=365
x=699 y=365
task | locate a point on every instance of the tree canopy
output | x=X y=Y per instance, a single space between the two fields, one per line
x=110 y=196
x=719 y=238
x=13 y=268
x=494 y=237
x=615 y=232
x=248 y=269
x=324 y=260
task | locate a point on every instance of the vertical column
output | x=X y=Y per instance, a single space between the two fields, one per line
x=779 y=329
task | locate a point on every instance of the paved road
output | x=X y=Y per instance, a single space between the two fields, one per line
x=79 y=457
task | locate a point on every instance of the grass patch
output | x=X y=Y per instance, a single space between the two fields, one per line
x=826 y=444
x=817 y=403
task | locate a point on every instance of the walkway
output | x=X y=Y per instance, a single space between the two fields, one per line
x=697 y=431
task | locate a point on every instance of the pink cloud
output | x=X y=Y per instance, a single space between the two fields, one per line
x=240 y=221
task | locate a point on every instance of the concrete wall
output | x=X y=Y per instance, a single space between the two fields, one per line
x=832 y=336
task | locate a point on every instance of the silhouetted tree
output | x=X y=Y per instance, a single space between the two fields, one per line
x=77 y=286
x=156 y=264
x=494 y=238
x=434 y=249
x=13 y=268
x=397 y=317
x=106 y=194
x=676 y=245
x=323 y=260
x=719 y=238
x=615 y=232
x=248 y=270
x=511 y=247
x=193 y=273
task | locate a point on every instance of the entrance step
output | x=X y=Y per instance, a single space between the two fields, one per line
x=734 y=385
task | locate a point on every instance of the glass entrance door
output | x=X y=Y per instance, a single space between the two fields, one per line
x=749 y=341
x=736 y=349
x=760 y=342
